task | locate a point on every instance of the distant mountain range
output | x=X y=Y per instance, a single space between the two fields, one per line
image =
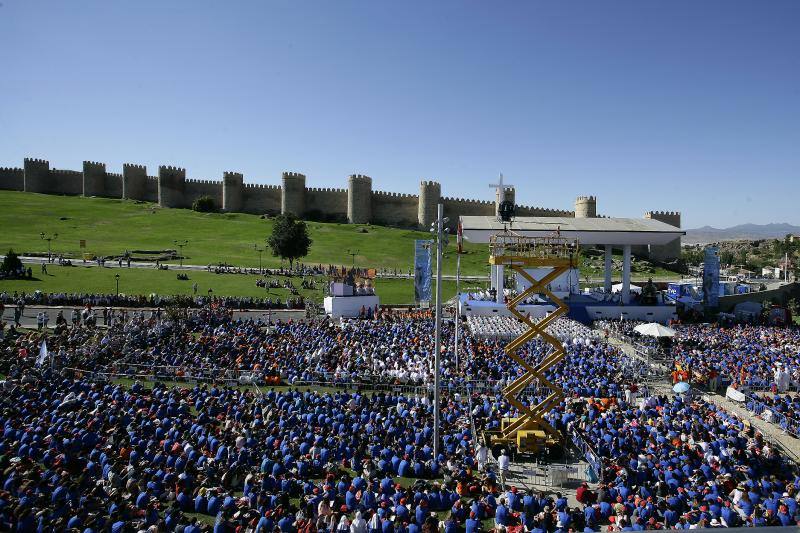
x=741 y=232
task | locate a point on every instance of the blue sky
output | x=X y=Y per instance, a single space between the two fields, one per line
x=680 y=105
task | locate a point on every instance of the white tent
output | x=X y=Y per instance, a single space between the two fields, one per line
x=654 y=329
x=618 y=288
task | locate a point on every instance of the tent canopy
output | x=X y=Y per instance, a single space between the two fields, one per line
x=654 y=329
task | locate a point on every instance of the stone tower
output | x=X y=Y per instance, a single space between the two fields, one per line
x=430 y=192
x=94 y=178
x=586 y=207
x=134 y=181
x=508 y=193
x=671 y=250
x=36 y=175
x=232 y=184
x=171 y=186
x=293 y=193
x=359 y=199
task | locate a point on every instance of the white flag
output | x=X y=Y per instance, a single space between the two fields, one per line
x=42 y=354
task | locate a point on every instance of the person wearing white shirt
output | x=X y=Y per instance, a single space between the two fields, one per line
x=503 y=464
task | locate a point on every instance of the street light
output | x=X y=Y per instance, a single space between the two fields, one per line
x=47 y=238
x=260 y=252
x=438 y=229
x=116 y=277
x=353 y=254
x=180 y=244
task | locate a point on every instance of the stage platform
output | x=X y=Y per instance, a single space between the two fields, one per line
x=582 y=308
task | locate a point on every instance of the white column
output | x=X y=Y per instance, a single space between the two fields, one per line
x=500 y=297
x=608 y=269
x=626 y=274
x=492 y=277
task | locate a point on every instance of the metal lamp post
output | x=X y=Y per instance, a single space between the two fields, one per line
x=116 y=277
x=260 y=252
x=180 y=243
x=49 y=239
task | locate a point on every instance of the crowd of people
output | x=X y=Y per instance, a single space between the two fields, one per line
x=85 y=453
x=154 y=300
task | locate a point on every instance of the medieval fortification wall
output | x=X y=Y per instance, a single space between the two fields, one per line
x=357 y=204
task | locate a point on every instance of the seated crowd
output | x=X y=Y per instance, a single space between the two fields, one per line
x=89 y=455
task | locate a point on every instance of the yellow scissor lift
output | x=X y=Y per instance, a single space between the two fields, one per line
x=530 y=432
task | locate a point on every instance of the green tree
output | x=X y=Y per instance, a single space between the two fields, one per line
x=289 y=239
x=11 y=263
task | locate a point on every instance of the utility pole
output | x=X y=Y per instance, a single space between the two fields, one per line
x=49 y=239
x=260 y=251
x=180 y=244
x=438 y=335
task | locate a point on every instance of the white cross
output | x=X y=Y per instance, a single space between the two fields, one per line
x=500 y=186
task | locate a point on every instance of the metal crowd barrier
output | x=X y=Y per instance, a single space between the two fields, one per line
x=790 y=425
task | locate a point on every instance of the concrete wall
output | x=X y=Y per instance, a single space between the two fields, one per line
x=68 y=182
x=393 y=209
x=112 y=185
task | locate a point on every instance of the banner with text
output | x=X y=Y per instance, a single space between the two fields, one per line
x=422 y=270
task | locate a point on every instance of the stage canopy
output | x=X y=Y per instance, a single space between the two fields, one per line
x=612 y=231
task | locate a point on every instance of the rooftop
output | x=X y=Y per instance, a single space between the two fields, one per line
x=615 y=231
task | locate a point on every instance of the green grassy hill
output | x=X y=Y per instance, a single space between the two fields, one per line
x=110 y=227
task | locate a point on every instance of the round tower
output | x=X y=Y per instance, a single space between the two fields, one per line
x=36 y=177
x=429 y=194
x=293 y=193
x=508 y=193
x=586 y=207
x=171 y=186
x=232 y=183
x=94 y=178
x=134 y=181
x=359 y=199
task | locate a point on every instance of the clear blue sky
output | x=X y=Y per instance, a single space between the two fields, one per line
x=680 y=105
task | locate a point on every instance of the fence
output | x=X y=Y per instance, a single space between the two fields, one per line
x=595 y=463
x=769 y=414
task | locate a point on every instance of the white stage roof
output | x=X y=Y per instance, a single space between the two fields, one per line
x=614 y=231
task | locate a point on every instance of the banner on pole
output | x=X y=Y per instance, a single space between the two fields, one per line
x=422 y=270
x=711 y=277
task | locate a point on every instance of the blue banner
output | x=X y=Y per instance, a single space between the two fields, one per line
x=711 y=277
x=422 y=270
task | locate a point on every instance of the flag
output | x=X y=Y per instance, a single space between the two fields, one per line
x=460 y=238
x=42 y=354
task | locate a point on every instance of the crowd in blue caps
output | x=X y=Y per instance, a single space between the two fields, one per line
x=88 y=455
x=746 y=355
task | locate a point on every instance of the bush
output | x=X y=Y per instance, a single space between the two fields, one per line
x=11 y=263
x=204 y=204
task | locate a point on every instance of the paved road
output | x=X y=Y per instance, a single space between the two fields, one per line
x=202 y=268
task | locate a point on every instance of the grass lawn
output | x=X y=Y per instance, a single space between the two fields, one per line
x=165 y=282
x=110 y=227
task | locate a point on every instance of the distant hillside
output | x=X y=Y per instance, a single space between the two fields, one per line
x=741 y=232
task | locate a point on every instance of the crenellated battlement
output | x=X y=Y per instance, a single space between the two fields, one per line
x=399 y=195
x=432 y=184
x=204 y=182
x=33 y=160
x=262 y=186
x=467 y=201
x=94 y=164
x=10 y=169
x=653 y=214
x=170 y=168
x=133 y=166
x=293 y=176
x=360 y=177
x=325 y=189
